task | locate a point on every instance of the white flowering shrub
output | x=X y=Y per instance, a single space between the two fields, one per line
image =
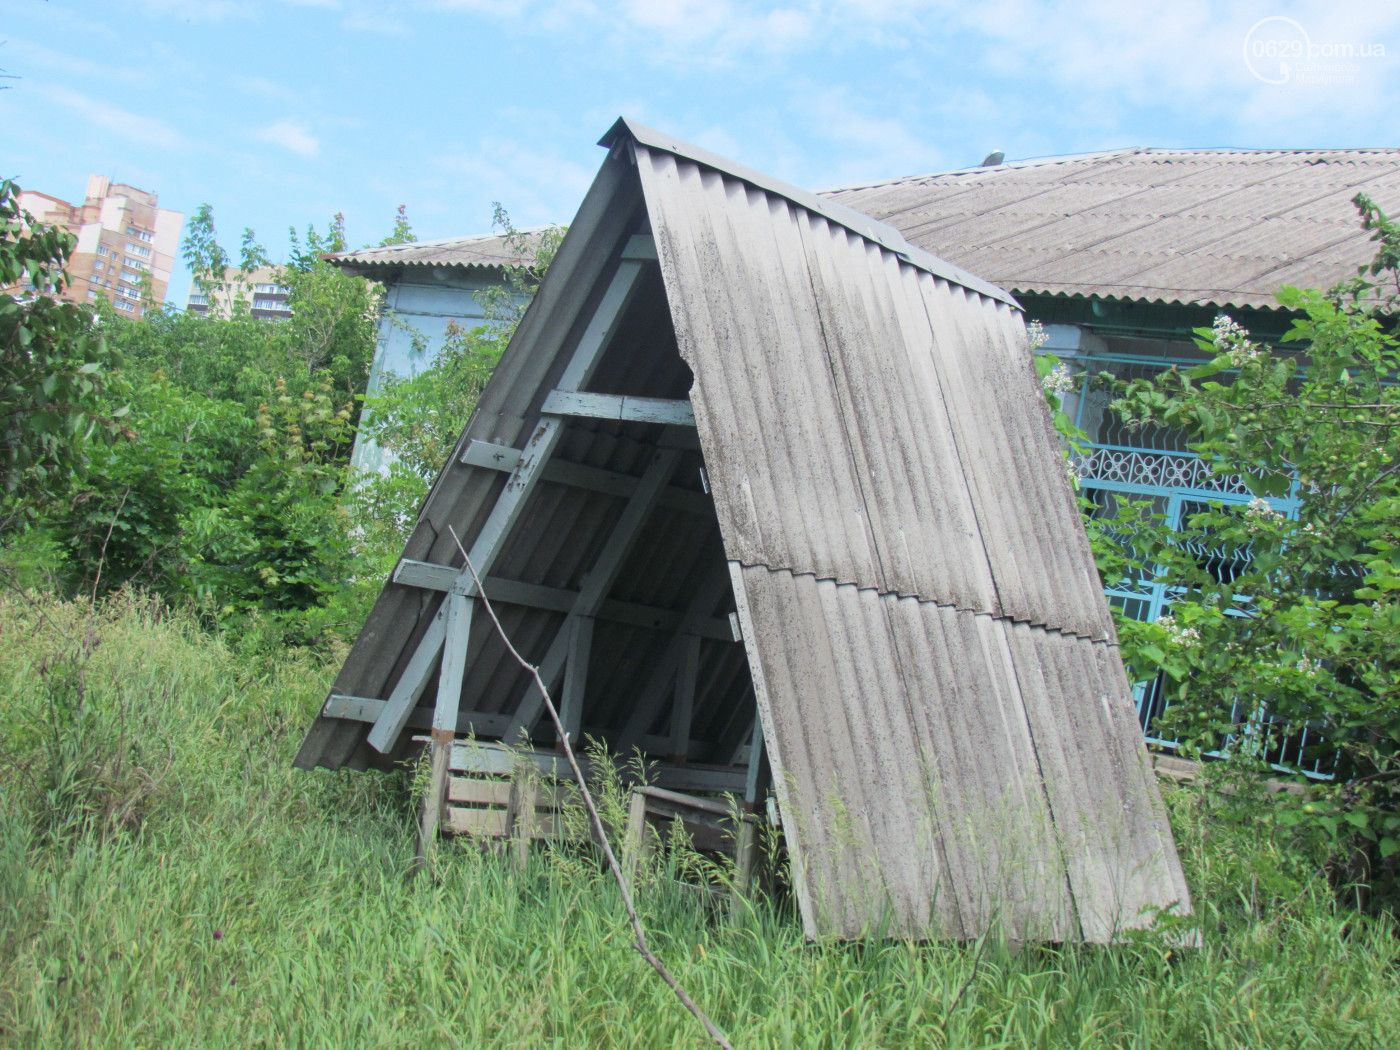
x=1304 y=627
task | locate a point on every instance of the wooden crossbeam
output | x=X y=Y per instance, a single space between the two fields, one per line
x=368 y=709
x=485 y=757
x=661 y=682
x=620 y=407
x=558 y=599
x=526 y=474
x=491 y=455
x=582 y=476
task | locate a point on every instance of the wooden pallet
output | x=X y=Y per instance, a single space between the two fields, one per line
x=520 y=808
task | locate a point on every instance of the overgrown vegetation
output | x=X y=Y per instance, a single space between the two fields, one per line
x=184 y=558
x=167 y=879
x=1284 y=612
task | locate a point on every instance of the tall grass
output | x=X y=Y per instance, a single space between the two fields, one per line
x=167 y=880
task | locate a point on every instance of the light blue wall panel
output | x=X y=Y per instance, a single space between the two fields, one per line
x=417 y=311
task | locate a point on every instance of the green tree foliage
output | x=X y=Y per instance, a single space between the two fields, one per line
x=402 y=232
x=55 y=366
x=231 y=492
x=1304 y=633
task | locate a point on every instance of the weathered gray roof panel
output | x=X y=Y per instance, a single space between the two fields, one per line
x=874 y=423
x=485 y=251
x=1224 y=227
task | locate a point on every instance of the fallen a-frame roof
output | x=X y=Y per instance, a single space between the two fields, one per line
x=752 y=453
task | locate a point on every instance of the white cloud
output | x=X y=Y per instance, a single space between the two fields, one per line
x=290 y=136
x=537 y=186
x=195 y=10
x=65 y=63
x=120 y=122
x=378 y=20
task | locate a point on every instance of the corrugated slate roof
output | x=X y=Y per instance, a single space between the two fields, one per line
x=1222 y=227
x=487 y=251
x=925 y=640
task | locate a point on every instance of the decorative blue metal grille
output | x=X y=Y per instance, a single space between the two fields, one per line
x=1179 y=483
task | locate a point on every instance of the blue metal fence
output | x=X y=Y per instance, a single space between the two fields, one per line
x=1157 y=466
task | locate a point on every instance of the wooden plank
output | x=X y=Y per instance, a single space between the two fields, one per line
x=556 y=599
x=491 y=823
x=431 y=815
x=352 y=708
x=489 y=757
x=404 y=696
x=487 y=545
x=496 y=790
x=680 y=800
x=636 y=844
x=619 y=407
x=576 y=675
x=491 y=455
x=454 y=662
x=522 y=820
x=424 y=574
x=683 y=703
x=366 y=709
x=478 y=791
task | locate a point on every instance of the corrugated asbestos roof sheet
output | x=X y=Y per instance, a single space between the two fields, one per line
x=489 y=251
x=1223 y=227
x=924 y=635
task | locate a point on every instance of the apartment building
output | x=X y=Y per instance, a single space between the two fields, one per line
x=259 y=290
x=126 y=246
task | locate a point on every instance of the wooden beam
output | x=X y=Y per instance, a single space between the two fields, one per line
x=433 y=802
x=489 y=541
x=595 y=479
x=454 y=661
x=489 y=454
x=556 y=599
x=366 y=709
x=488 y=757
x=600 y=578
x=663 y=676
x=683 y=702
x=576 y=674
x=619 y=407
x=425 y=574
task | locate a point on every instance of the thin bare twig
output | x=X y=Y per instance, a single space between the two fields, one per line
x=639 y=934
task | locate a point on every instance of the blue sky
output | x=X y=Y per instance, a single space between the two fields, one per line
x=282 y=113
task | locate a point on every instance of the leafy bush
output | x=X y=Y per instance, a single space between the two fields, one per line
x=1306 y=634
x=54 y=367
